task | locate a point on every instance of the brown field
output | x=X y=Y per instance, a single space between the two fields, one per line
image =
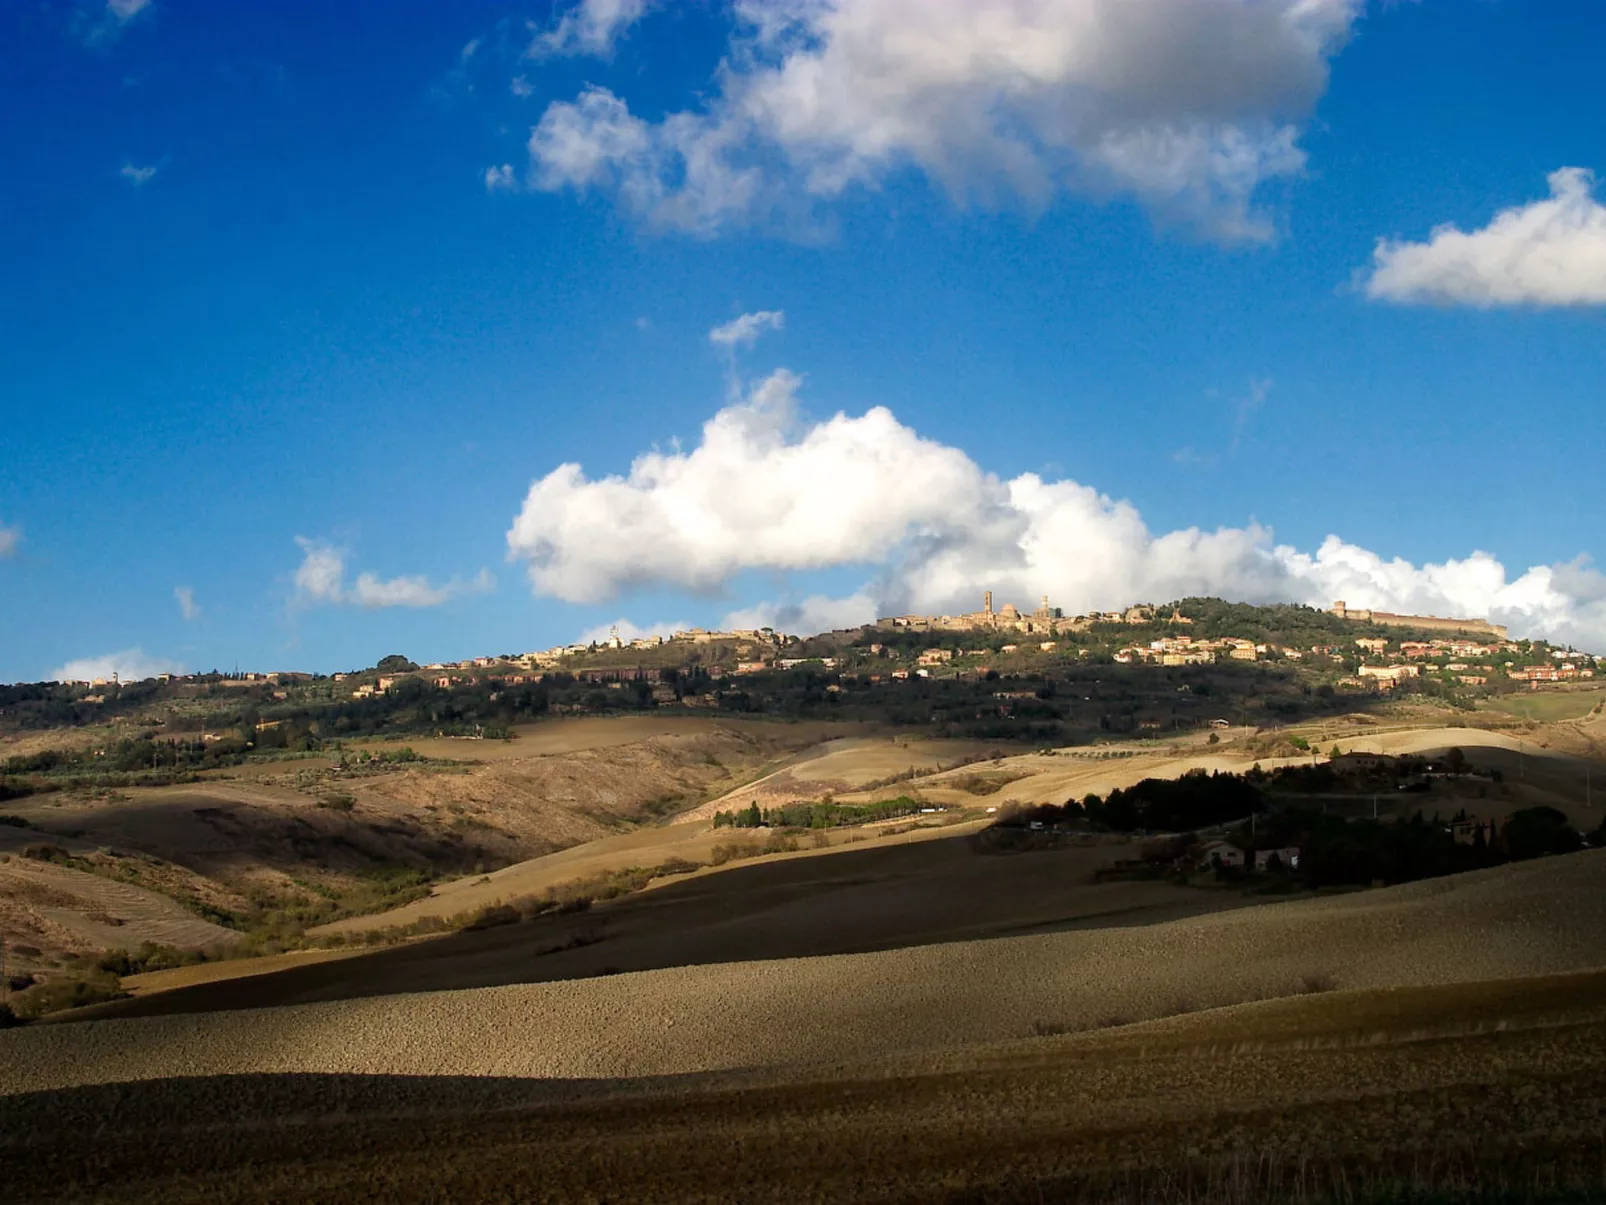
x=1285 y=1100
x=58 y=911
x=1529 y=918
x=875 y=895
x=268 y=827
x=1444 y=1034
x=646 y=847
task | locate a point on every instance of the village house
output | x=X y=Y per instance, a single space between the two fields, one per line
x=1287 y=857
x=1220 y=853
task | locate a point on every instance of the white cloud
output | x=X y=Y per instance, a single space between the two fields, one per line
x=1545 y=253
x=521 y=87
x=137 y=175
x=1187 y=105
x=100 y=28
x=590 y=27
x=500 y=178
x=629 y=631
x=320 y=581
x=187 y=606
x=745 y=330
x=931 y=529
x=130 y=665
x=320 y=576
x=10 y=539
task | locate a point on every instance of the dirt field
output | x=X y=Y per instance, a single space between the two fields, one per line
x=1496 y=1084
x=876 y=896
x=1530 y=918
x=56 y=911
x=647 y=847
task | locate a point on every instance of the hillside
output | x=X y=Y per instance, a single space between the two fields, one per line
x=1378 y=1006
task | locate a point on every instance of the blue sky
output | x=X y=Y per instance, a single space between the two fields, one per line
x=303 y=300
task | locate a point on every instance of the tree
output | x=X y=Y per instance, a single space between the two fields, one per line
x=395 y=663
x=755 y=818
x=1456 y=761
x=1534 y=832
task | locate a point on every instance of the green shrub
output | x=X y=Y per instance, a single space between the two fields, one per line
x=55 y=995
x=492 y=916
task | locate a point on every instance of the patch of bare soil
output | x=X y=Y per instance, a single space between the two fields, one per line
x=1531 y=918
x=1498 y=1086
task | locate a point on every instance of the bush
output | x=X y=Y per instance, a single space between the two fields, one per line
x=7 y=1017
x=492 y=916
x=55 y=995
x=149 y=957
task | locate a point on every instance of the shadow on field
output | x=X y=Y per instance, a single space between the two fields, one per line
x=851 y=902
x=1410 y=1109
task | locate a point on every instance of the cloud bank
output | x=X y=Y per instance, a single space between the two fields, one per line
x=1546 y=253
x=320 y=581
x=130 y=665
x=1189 y=106
x=930 y=530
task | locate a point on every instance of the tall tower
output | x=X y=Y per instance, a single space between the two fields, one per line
x=987 y=603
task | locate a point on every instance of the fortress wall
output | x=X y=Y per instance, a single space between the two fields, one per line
x=1434 y=623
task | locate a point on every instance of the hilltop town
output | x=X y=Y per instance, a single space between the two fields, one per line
x=995 y=673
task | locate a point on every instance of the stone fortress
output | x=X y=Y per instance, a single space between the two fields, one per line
x=1431 y=623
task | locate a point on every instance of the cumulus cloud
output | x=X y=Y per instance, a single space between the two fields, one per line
x=130 y=665
x=745 y=330
x=1545 y=253
x=187 y=606
x=320 y=581
x=590 y=27
x=930 y=530
x=1187 y=105
x=126 y=10
x=137 y=175
x=500 y=178
x=10 y=540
